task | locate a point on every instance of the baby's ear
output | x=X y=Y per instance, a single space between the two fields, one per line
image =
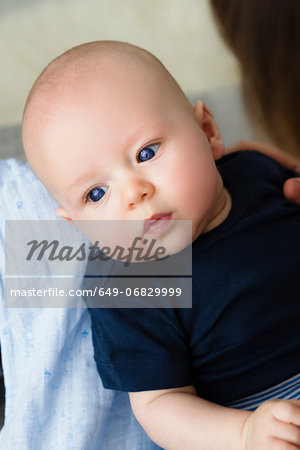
x=208 y=124
x=61 y=212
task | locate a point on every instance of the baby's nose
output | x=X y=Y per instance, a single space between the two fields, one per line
x=137 y=191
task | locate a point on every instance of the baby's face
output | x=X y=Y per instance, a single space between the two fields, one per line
x=128 y=150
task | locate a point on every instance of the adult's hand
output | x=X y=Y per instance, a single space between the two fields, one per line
x=291 y=187
x=291 y=190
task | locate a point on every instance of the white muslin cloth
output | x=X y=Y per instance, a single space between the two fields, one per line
x=54 y=395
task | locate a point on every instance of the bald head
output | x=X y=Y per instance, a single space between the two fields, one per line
x=106 y=61
x=104 y=79
x=85 y=60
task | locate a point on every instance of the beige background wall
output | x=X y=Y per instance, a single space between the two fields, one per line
x=180 y=32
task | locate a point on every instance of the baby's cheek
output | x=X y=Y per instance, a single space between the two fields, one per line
x=199 y=189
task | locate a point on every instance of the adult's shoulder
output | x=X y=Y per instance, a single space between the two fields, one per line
x=253 y=163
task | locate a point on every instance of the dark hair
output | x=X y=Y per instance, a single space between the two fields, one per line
x=265 y=37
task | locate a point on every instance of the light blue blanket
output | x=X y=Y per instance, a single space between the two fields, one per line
x=54 y=396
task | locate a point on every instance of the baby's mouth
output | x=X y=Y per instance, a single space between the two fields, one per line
x=157 y=223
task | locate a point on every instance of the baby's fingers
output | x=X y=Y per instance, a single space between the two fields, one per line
x=287 y=411
x=282 y=445
x=288 y=433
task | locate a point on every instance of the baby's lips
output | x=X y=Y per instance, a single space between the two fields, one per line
x=149 y=223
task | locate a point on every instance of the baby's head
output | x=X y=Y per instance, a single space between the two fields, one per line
x=112 y=136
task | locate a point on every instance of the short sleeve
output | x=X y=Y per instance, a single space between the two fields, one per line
x=140 y=349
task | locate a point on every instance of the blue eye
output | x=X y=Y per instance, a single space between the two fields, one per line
x=147 y=153
x=96 y=194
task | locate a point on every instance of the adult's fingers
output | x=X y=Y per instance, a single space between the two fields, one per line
x=291 y=190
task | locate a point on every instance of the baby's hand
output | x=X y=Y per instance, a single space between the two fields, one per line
x=274 y=425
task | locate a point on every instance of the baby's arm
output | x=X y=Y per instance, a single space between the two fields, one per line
x=178 y=419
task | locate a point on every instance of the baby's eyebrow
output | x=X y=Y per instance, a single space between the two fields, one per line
x=79 y=183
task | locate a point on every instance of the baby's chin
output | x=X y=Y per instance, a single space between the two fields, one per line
x=129 y=241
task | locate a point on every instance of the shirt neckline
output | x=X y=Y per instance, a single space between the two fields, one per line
x=237 y=188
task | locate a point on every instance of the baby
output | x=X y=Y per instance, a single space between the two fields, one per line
x=113 y=137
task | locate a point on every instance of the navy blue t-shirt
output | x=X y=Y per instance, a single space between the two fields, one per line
x=242 y=334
